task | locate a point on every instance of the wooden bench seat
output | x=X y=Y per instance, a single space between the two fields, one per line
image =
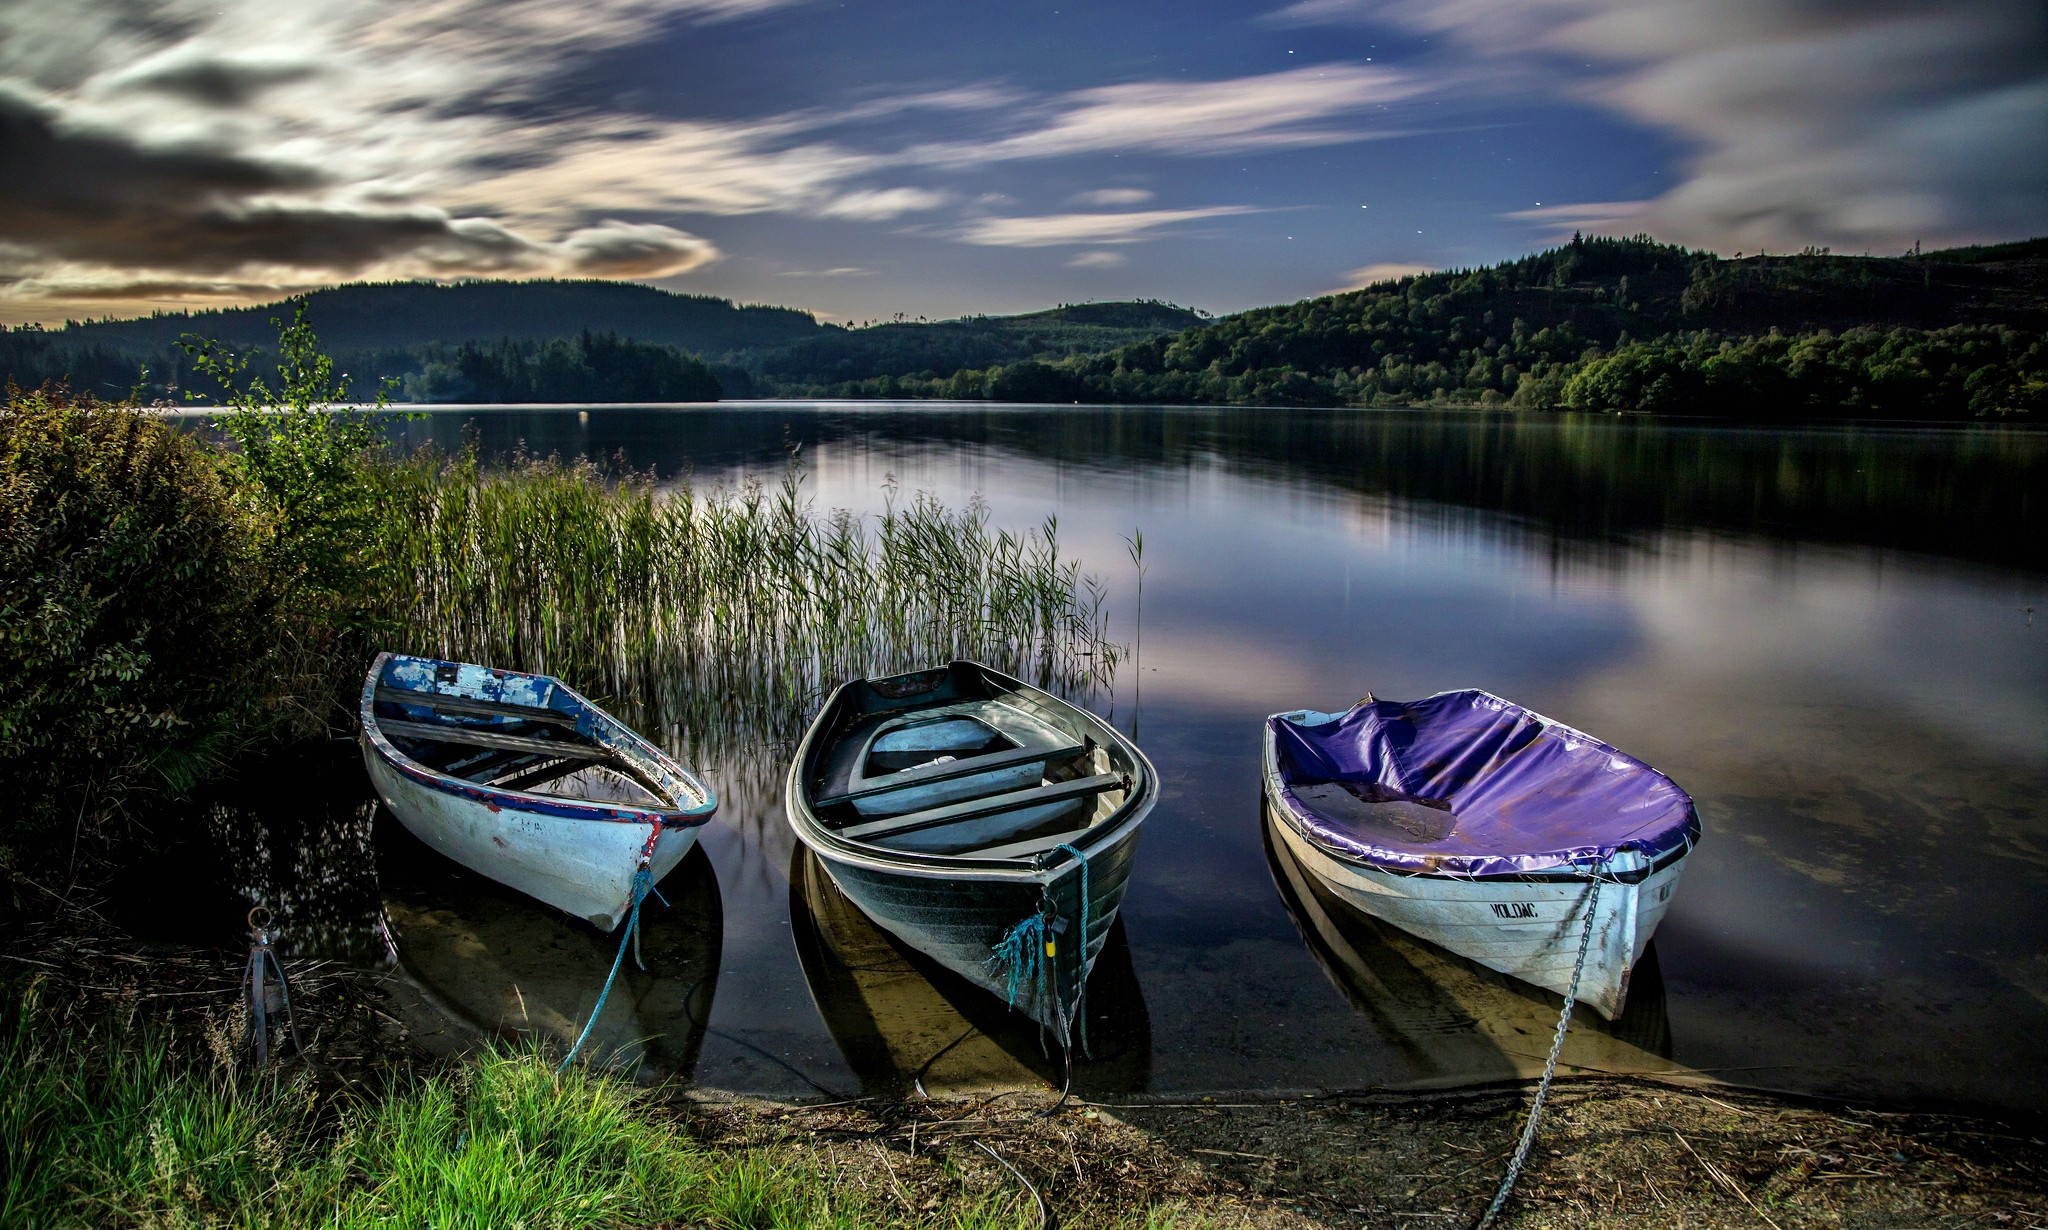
x=469 y=704
x=988 y=805
x=947 y=770
x=432 y=733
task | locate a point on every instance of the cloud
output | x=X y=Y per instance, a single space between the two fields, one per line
x=841 y=271
x=184 y=148
x=1055 y=230
x=1097 y=260
x=1558 y=222
x=1313 y=105
x=627 y=250
x=876 y=205
x=1853 y=125
x=1383 y=271
x=1111 y=197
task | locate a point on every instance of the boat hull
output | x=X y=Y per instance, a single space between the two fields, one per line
x=577 y=850
x=957 y=902
x=958 y=918
x=1528 y=929
x=581 y=867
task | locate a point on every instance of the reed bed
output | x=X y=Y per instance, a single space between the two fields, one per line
x=724 y=614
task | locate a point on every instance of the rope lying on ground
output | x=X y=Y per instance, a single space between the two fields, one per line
x=1564 y=1020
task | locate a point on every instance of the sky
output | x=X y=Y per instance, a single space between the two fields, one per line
x=931 y=158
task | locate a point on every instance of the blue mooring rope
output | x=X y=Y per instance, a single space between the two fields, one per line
x=643 y=884
x=1023 y=955
x=1081 y=964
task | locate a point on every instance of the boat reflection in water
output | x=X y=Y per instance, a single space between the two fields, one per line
x=901 y=1019
x=501 y=965
x=1454 y=1020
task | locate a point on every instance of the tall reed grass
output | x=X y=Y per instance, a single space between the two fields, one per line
x=723 y=614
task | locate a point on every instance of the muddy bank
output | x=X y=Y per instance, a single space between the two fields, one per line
x=1612 y=1153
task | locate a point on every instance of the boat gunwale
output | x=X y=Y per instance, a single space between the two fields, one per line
x=1276 y=790
x=559 y=807
x=1041 y=867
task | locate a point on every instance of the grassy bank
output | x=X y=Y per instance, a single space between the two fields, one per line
x=122 y=1123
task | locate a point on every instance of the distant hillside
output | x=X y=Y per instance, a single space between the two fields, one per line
x=1625 y=324
x=922 y=350
x=398 y=315
x=1596 y=324
x=579 y=341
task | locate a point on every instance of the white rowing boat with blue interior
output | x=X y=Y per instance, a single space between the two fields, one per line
x=521 y=779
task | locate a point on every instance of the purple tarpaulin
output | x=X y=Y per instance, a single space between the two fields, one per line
x=1510 y=791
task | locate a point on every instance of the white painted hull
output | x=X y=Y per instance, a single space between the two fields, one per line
x=1525 y=929
x=581 y=867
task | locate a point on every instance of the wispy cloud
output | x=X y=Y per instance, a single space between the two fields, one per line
x=841 y=271
x=1374 y=274
x=1556 y=222
x=1109 y=198
x=1313 y=105
x=1818 y=122
x=187 y=149
x=881 y=204
x=1057 y=230
x=1097 y=260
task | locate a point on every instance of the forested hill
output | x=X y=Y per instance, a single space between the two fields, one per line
x=884 y=354
x=397 y=315
x=568 y=341
x=1611 y=324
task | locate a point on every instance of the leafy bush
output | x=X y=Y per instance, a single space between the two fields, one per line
x=128 y=584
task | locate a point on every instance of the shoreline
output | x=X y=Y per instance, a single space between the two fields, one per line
x=1612 y=1151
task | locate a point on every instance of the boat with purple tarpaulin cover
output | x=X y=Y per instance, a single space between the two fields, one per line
x=1482 y=827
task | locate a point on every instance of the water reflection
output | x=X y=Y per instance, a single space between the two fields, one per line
x=1453 y=1020
x=511 y=968
x=901 y=1020
x=1586 y=485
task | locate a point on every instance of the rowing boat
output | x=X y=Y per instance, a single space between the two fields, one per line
x=981 y=821
x=1486 y=829
x=521 y=779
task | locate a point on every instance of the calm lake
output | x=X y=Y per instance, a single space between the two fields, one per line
x=1835 y=637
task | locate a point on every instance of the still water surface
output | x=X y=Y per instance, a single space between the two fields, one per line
x=1828 y=635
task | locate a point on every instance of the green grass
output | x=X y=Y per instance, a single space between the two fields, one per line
x=722 y=614
x=113 y=1127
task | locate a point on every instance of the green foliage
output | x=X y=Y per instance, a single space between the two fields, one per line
x=128 y=606
x=1611 y=324
x=590 y=367
x=110 y=1126
x=305 y=463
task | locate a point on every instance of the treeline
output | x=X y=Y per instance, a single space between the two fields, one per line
x=365 y=316
x=1626 y=324
x=589 y=367
x=919 y=351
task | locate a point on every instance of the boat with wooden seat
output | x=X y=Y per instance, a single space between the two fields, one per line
x=520 y=778
x=979 y=820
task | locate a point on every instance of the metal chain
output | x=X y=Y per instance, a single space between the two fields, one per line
x=1564 y=1020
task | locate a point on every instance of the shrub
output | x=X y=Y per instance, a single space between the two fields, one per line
x=127 y=621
